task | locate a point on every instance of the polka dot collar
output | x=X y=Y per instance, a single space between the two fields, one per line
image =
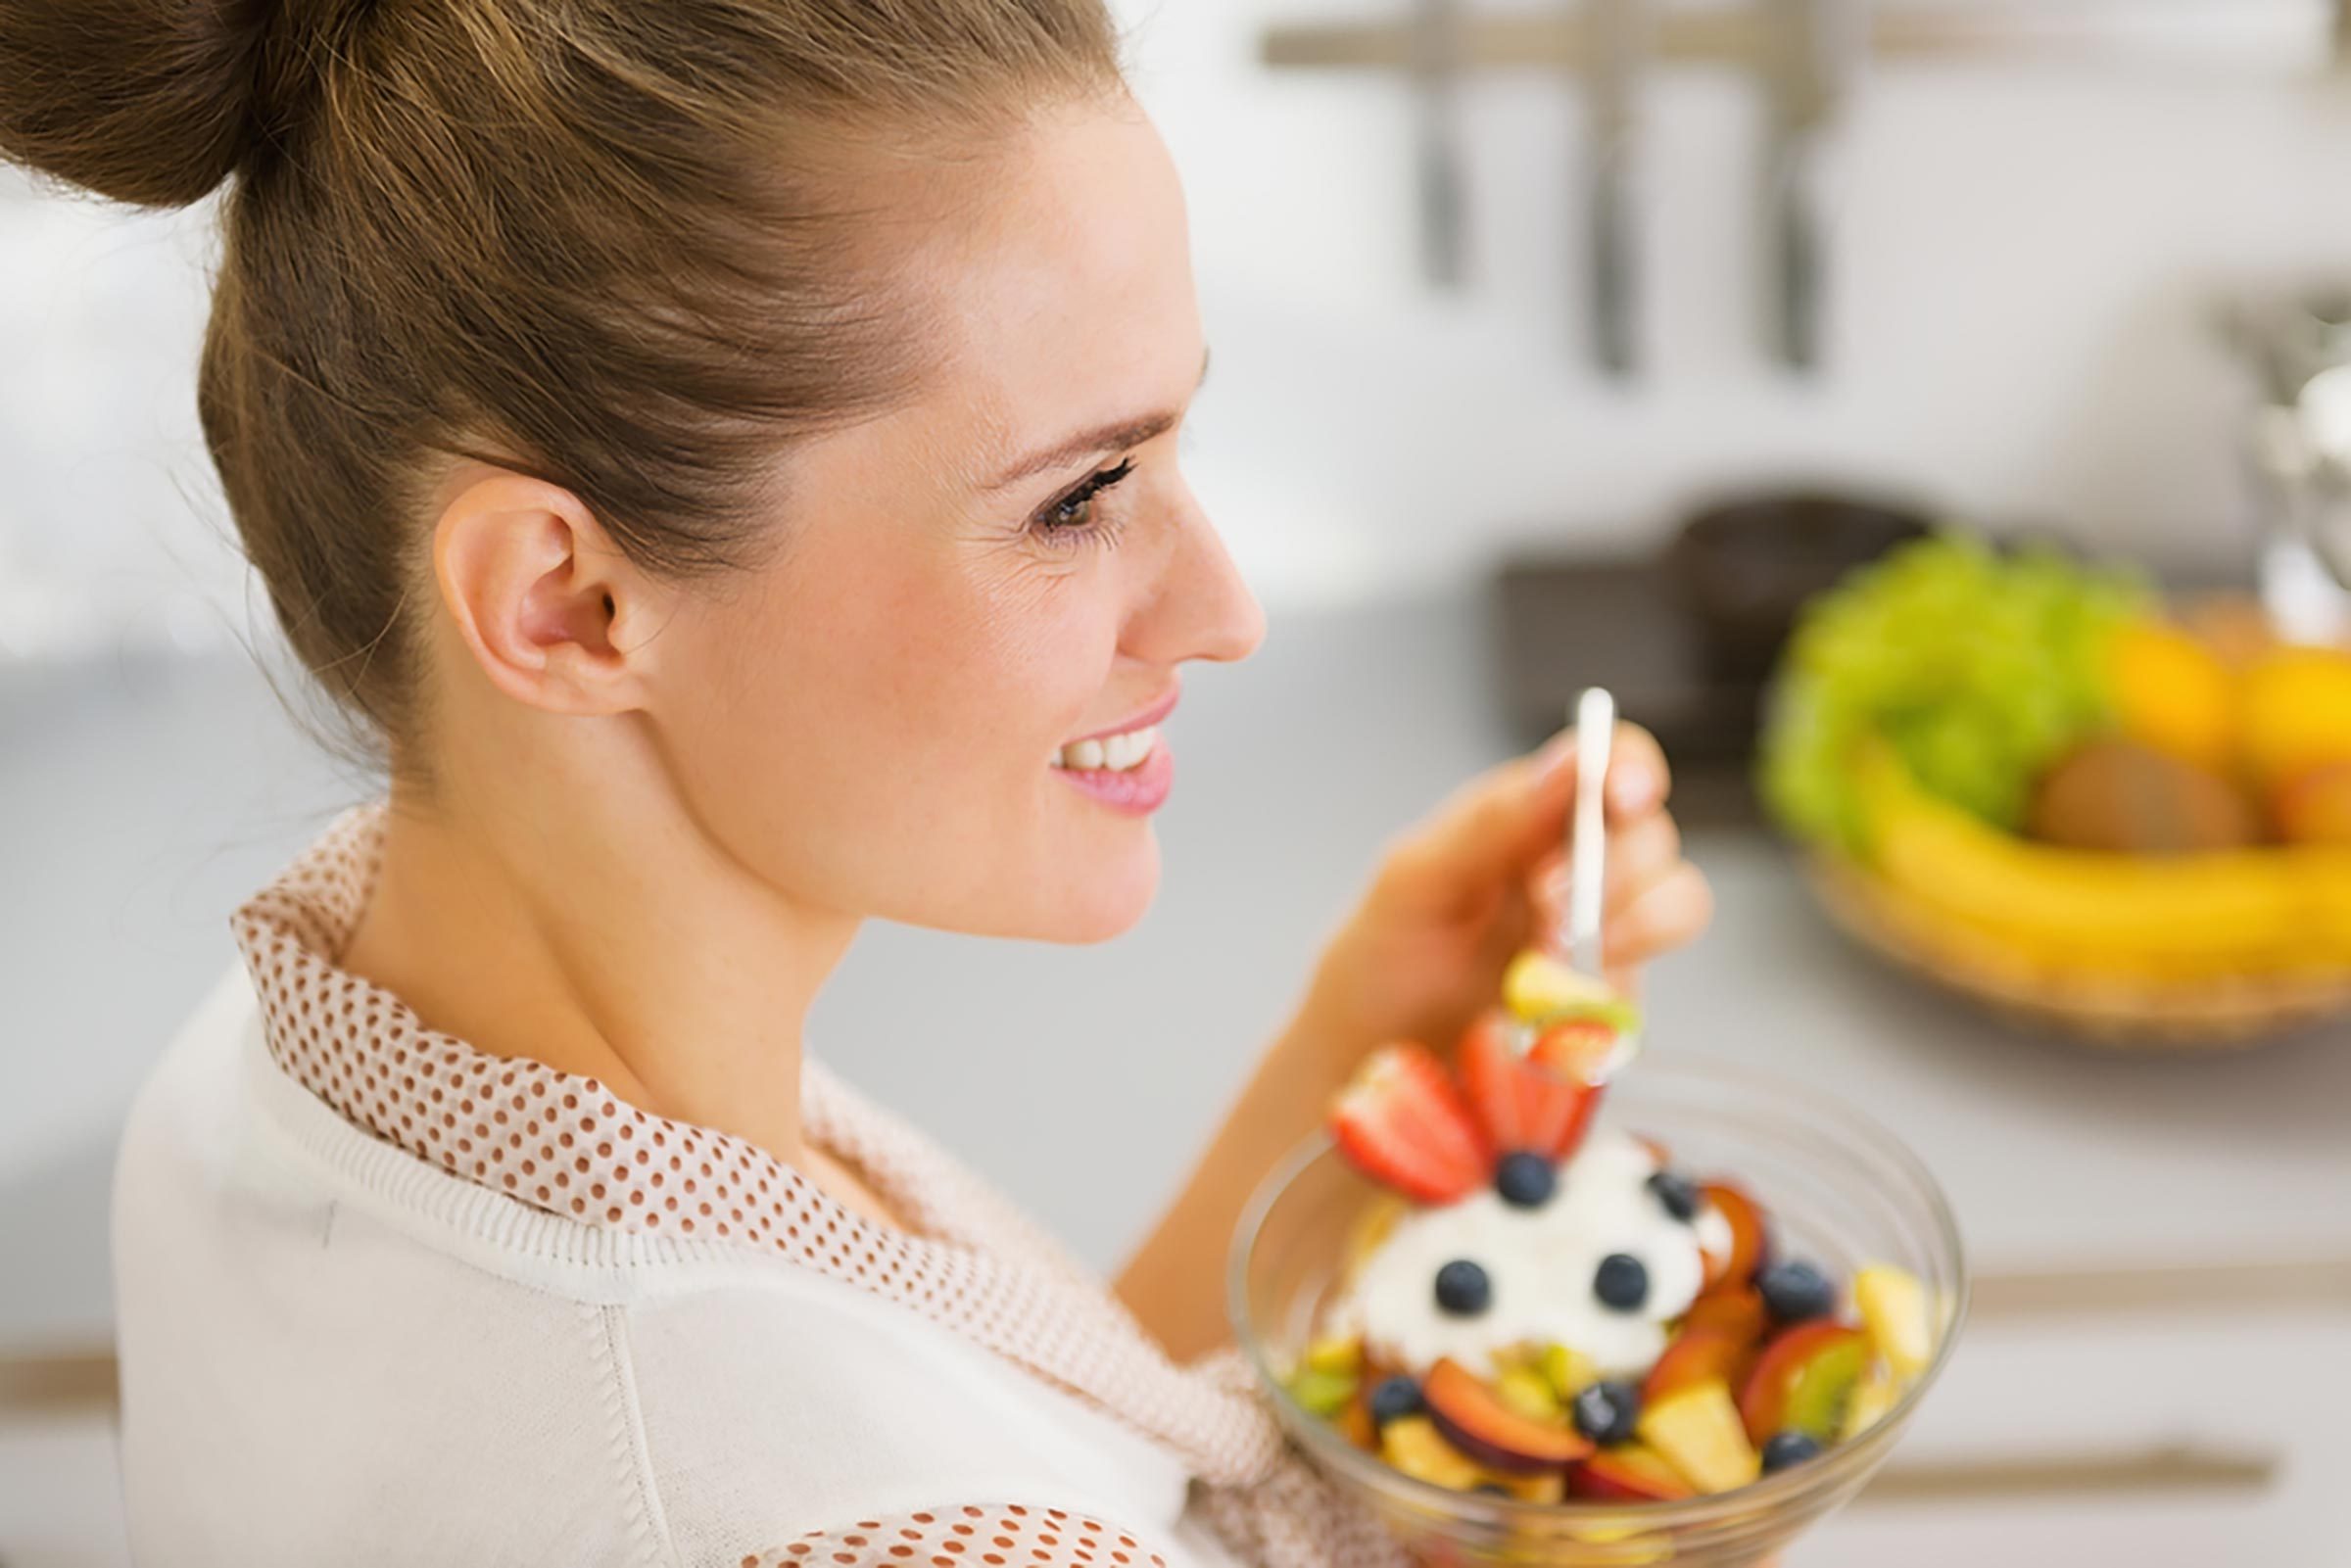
x=565 y=1144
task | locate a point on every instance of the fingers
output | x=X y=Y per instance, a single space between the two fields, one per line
x=1504 y=820
x=1638 y=856
x=1668 y=914
x=1637 y=777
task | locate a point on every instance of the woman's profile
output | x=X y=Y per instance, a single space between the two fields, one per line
x=723 y=453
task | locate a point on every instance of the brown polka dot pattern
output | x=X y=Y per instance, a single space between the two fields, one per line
x=969 y=1535
x=969 y=1260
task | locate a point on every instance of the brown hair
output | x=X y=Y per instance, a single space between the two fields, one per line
x=629 y=246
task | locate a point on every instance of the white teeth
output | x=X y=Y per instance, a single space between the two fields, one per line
x=1118 y=753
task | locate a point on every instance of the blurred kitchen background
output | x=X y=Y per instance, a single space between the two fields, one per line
x=1964 y=263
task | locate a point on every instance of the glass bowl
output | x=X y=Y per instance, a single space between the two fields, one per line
x=1835 y=1188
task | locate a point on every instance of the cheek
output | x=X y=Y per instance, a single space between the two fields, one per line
x=873 y=733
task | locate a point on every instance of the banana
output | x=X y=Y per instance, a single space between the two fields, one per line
x=2261 y=910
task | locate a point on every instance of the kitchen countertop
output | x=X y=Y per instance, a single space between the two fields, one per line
x=142 y=799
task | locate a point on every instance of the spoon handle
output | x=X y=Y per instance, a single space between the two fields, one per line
x=1587 y=831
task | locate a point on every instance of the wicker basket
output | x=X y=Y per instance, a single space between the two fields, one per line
x=2125 y=1012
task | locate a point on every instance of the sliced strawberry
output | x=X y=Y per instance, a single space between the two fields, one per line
x=1402 y=1123
x=1558 y=1112
x=1562 y=1083
x=1490 y=1074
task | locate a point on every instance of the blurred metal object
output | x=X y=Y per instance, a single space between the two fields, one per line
x=1435 y=64
x=1809 y=57
x=1612 y=75
x=2298 y=449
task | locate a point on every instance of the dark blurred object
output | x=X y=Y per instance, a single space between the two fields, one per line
x=1687 y=641
x=1568 y=624
x=1747 y=566
x=2125 y=798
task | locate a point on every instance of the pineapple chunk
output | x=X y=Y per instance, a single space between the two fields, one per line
x=1698 y=1431
x=1548 y=1486
x=1528 y=1393
x=1878 y=1392
x=1571 y=1372
x=1893 y=1309
x=1415 y=1445
x=1341 y=1354
x=1538 y=988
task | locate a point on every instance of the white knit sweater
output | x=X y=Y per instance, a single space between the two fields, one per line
x=384 y=1298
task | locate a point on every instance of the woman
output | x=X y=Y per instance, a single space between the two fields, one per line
x=724 y=450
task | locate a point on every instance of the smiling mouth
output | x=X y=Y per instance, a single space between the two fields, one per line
x=1118 y=753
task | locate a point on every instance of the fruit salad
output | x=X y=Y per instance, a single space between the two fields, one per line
x=1544 y=1306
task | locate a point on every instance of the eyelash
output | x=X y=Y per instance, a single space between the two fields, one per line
x=1068 y=534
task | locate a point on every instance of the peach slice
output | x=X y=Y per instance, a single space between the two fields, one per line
x=1628 y=1472
x=1750 y=1241
x=1699 y=1355
x=1805 y=1381
x=1473 y=1417
x=1734 y=1309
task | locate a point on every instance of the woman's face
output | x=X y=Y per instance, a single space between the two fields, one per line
x=872 y=724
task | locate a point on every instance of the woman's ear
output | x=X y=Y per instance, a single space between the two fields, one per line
x=552 y=610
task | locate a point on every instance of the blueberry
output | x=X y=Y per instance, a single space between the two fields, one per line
x=1621 y=1283
x=1462 y=1288
x=1608 y=1412
x=1797 y=1291
x=1677 y=1193
x=1394 y=1398
x=1526 y=1180
x=1785 y=1448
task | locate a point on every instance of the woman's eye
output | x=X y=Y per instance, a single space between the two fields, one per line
x=1074 y=512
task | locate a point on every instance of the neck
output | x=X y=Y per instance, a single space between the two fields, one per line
x=601 y=933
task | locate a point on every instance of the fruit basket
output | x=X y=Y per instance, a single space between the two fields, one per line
x=2027 y=782
x=2124 y=1011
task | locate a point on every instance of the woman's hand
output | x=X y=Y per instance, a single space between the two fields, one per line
x=1485 y=876
x=1453 y=900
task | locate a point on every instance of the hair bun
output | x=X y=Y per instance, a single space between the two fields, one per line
x=151 y=102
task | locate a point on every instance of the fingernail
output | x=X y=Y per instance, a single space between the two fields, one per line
x=1632 y=788
x=1556 y=753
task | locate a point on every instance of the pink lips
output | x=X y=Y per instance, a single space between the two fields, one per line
x=1140 y=790
x=1150 y=715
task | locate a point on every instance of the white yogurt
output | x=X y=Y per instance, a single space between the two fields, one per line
x=1542 y=1263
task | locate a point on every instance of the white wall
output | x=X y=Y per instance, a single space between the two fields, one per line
x=2021 y=281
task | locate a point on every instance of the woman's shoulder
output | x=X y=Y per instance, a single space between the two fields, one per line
x=347 y=1298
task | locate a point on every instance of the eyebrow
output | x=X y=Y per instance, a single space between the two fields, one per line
x=1087 y=443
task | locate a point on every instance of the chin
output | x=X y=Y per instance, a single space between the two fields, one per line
x=1108 y=899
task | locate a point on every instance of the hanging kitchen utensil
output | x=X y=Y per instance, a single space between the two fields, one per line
x=1436 y=70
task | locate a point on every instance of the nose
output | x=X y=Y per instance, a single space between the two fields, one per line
x=1201 y=607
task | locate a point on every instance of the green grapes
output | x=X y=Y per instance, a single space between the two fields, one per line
x=1982 y=667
